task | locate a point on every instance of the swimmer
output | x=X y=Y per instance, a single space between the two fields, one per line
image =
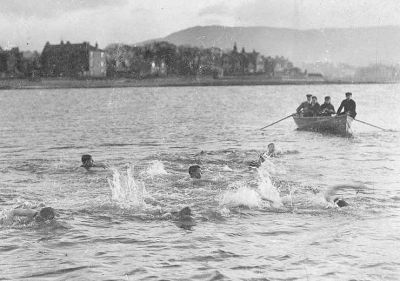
x=185 y=213
x=272 y=152
x=257 y=164
x=182 y=218
x=201 y=153
x=195 y=172
x=331 y=191
x=45 y=214
x=87 y=162
x=340 y=202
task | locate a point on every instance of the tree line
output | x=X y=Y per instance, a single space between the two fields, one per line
x=157 y=59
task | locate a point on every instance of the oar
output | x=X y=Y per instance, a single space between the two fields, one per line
x=370 y=124
x=277 y=121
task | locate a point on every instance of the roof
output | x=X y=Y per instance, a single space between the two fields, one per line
x=315 y=75
x=85 y=46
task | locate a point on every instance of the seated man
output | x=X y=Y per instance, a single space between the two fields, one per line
x=304 y=107
x=87 y=162
x=327 y=108
x=314 y=107
x=348 y=105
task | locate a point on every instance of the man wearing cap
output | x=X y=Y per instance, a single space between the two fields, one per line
x=304 y=107
x=348 y=105
x=327 y=108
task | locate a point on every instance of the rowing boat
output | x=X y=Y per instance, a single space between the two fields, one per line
x=340 y=125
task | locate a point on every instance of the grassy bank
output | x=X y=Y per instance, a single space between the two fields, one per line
x=61 y=83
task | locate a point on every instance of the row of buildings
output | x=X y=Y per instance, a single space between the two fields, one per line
x=163 y=58
x=154 y=59
x=58 y=60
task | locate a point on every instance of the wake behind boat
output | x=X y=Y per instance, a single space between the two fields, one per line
x=340 y=124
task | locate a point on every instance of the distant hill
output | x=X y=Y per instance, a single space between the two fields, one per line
x=358 y=46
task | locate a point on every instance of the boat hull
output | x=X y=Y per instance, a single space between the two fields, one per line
x=340 y=125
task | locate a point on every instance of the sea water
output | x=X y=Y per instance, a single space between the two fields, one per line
x=270 y=223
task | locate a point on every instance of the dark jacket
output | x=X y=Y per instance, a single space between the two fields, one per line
x=315 y=109
x=327 y=109
x=349 y=107
x=304 y=105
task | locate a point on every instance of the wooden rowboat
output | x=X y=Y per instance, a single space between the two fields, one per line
x=340 y=125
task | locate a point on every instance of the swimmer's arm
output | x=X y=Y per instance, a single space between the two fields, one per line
x=24 y=212
x=101 y=165
x=331 y=191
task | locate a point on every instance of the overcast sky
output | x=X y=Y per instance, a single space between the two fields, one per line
x=30 y=23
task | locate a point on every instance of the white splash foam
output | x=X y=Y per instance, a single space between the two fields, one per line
x=126 y=192
x=155 y=169
x=224 y=212
x=268 y=166
x=267 y=190
x=243 y=196
x=226 y=168
x=6 y=217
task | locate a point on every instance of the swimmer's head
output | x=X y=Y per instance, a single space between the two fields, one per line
x=340 y=202
x=271 y=147
x=87 y=160
x=45 y=214
x=185 y=212
x=195 y=172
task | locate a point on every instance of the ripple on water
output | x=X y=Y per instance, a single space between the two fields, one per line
x=118 y=231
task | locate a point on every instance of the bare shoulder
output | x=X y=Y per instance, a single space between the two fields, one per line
x=24 y=212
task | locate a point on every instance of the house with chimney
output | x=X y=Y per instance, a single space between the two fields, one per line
x=10 y=63
x=73 y=60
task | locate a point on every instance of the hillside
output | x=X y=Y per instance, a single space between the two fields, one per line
x=359 y=46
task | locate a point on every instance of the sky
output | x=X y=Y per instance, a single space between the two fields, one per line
x=29 y=24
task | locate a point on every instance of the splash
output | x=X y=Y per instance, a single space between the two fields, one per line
x=242 y=197
x=267 y=190
x=6 y=217
x=126 y=192
x=265 y=195
x=226 y=168
x=155 y=169
x=268 y=166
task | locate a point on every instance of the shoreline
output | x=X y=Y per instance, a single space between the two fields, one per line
x=64 y=83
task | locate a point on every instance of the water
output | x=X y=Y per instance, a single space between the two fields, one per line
x=267 y=224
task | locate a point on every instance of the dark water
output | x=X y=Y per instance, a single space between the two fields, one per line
x=267 y=224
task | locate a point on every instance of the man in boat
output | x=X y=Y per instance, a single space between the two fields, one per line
x=304 y=107
x=327 y=108
x=314 y=107
x=348 y=105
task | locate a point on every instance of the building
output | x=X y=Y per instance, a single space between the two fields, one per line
x=73 y=60
x=315 y=77
x=158 y=69
x=10 y=63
